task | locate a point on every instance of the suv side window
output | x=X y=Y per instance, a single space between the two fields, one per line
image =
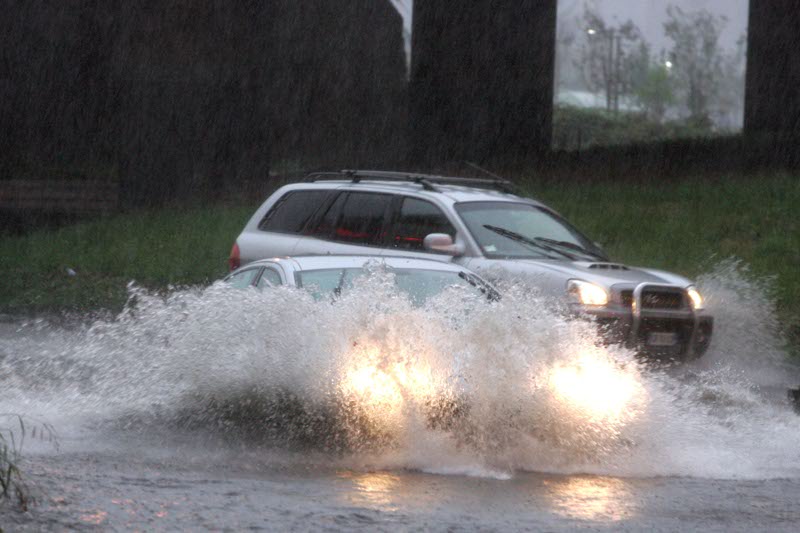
x=293 y=211
x=327 y=222
x=363 y=219
x=418 y=219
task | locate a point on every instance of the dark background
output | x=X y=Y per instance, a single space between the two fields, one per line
x=172 y=99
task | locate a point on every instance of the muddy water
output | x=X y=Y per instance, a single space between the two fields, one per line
x=213 y=410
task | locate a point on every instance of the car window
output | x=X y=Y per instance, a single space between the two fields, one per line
x=320 y=282
x=363 y=219
x=243 y=278
x=418 y=284
x=269 y=278
x=327 y=222
x=293 y=211
x=486 y=219
x=418 y=219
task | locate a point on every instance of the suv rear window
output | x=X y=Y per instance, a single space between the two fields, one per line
x=363 y=219
x=417 y=220
x=293 y=211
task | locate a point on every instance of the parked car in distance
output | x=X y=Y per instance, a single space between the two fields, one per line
x=481 y=225
x=329 y=275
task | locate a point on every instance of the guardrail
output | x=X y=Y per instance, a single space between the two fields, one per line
x=59 y=196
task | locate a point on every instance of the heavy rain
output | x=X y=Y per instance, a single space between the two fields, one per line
x=395 y=265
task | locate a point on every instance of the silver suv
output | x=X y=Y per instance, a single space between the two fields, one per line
x=481 y=225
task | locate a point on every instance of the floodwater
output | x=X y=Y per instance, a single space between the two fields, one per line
x=208 y=409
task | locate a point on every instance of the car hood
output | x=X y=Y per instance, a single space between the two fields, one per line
x=605 y=273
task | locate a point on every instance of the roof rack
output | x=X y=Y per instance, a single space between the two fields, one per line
x=427 y=181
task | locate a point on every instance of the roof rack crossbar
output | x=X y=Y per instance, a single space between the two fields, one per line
x=428 y=182
x=355 y=176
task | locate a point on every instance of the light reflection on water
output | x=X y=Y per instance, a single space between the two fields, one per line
x=374 y=489
x=592 y=498
x=94 y=517
x=585 y=498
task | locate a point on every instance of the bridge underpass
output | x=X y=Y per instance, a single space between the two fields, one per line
x=482 y=77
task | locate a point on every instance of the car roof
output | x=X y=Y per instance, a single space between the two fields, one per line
x=449 y=189
x=324 y=261
x=450 y=193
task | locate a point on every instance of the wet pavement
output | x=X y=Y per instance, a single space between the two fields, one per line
x=111 y=492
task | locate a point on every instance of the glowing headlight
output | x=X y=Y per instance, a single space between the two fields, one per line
x=587 y=293
x=381 y=386
x=595 y=387
x=694 y=296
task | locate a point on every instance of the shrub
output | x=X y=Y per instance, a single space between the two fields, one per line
x=13 y=432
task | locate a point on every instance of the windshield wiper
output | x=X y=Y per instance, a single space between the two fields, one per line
x=491 y=294
x=570 y=245
x=514 y=236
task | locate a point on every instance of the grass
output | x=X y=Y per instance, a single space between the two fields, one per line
x=154 y=248
x=681 y=226
x=13 y=432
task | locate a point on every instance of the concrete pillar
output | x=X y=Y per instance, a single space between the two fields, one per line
x=772 y=97
x=338 y=89
x=481 y=79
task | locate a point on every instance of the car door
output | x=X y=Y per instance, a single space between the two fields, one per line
x=353 y=223
x=413 y=220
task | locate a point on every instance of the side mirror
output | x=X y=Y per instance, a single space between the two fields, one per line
x=442 y=243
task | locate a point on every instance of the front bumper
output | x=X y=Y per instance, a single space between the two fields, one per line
x=678 y=333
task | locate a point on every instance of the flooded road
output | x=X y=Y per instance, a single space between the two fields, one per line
x=207 y=409
x=111 y=492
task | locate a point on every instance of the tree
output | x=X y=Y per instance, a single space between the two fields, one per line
x=609 y=56
x=655 y=92
x=696 y=57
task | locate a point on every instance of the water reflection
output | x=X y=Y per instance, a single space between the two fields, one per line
x=592 y=498
x=374 y=489
x=94 y=517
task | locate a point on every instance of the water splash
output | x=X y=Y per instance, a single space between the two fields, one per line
x=460 y=385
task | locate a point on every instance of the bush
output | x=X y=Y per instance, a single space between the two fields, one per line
x=576 y=128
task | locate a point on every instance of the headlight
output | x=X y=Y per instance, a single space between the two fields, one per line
x=596 y=387
x=383 y=386
x=587 y=293
x=694 y=296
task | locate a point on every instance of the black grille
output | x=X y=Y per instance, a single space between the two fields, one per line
x=652 y=299
x=655 y=299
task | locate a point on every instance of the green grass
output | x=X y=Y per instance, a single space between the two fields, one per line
x=683 y=226
x=154 y=248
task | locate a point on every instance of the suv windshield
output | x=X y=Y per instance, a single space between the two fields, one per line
x=419 y=285
x=506 y=229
